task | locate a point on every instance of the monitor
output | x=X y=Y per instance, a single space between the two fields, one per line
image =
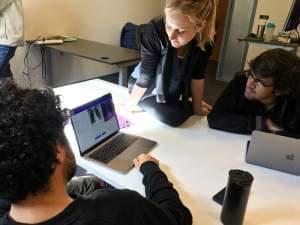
x=94 y=122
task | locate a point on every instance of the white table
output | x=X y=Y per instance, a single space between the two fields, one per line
x=197 y=160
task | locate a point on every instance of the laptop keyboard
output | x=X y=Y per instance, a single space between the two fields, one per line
x=113 y=148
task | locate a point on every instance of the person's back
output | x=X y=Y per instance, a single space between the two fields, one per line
x=36 y=163
x=112 y=206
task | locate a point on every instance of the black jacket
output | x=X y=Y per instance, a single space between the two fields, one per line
x=233 y=112
x=158 y=64
x=112 y=207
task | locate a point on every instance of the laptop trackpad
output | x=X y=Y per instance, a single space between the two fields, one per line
x=124 y=161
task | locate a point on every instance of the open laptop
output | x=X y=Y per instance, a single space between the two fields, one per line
x=97 y=132
x=275 y=152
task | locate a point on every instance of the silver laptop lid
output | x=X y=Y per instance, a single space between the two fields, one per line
x=94 y=122
x=275 y=152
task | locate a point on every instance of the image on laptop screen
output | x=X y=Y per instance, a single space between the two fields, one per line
x=94 y=122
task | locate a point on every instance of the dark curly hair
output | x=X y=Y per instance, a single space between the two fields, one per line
x=282 y=66
x=31 y=124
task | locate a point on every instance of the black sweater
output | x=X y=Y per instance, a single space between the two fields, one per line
x=116 y=207
x=233 y=112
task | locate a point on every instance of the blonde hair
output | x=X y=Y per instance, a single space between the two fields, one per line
x=198 y=11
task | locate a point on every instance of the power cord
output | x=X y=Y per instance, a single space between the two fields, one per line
x=27 y=71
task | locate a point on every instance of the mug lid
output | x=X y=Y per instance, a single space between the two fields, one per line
x=270 y=25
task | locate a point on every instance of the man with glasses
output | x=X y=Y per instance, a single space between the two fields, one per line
x=265 y=97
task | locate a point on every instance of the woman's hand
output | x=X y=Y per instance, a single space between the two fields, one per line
x=206 y=108
x=132 y=107
x=136 y=94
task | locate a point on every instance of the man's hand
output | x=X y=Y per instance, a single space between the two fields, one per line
x=141 y=159
x=273 y=127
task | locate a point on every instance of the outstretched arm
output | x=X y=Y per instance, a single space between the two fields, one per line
x=167 y=207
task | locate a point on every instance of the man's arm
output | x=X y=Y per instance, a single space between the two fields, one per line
x=288 y=119
x=224 y=115
x=275 y=129
x=165 y=206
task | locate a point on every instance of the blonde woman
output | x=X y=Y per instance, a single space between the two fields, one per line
x=175 y=50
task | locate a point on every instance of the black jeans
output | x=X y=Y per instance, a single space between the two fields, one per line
x=172 y=113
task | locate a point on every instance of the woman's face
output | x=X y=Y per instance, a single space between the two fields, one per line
x=179 y=28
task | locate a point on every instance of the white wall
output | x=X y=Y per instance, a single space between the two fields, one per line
x=95 y=20
x=278 y=12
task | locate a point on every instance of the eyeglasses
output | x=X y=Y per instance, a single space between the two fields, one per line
x=250 y=75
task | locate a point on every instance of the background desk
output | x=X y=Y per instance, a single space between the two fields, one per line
x=197 y=160
x=108 y=54
x=272 y=44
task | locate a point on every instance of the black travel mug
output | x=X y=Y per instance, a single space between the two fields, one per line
x=236 y=197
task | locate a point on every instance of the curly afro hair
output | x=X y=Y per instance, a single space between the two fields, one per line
x=31 y=124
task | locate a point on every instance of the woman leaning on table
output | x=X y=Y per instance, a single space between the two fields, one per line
x=174 y=54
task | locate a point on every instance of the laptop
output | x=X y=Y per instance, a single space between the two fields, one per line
x=99 y=138
x=275 y=152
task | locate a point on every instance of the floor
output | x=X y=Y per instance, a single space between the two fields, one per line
x=213 y=88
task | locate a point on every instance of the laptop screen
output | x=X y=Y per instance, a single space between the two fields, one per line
x=94 y=122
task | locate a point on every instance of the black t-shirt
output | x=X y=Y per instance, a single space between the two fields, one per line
x=103 y=207
x=116 y=207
